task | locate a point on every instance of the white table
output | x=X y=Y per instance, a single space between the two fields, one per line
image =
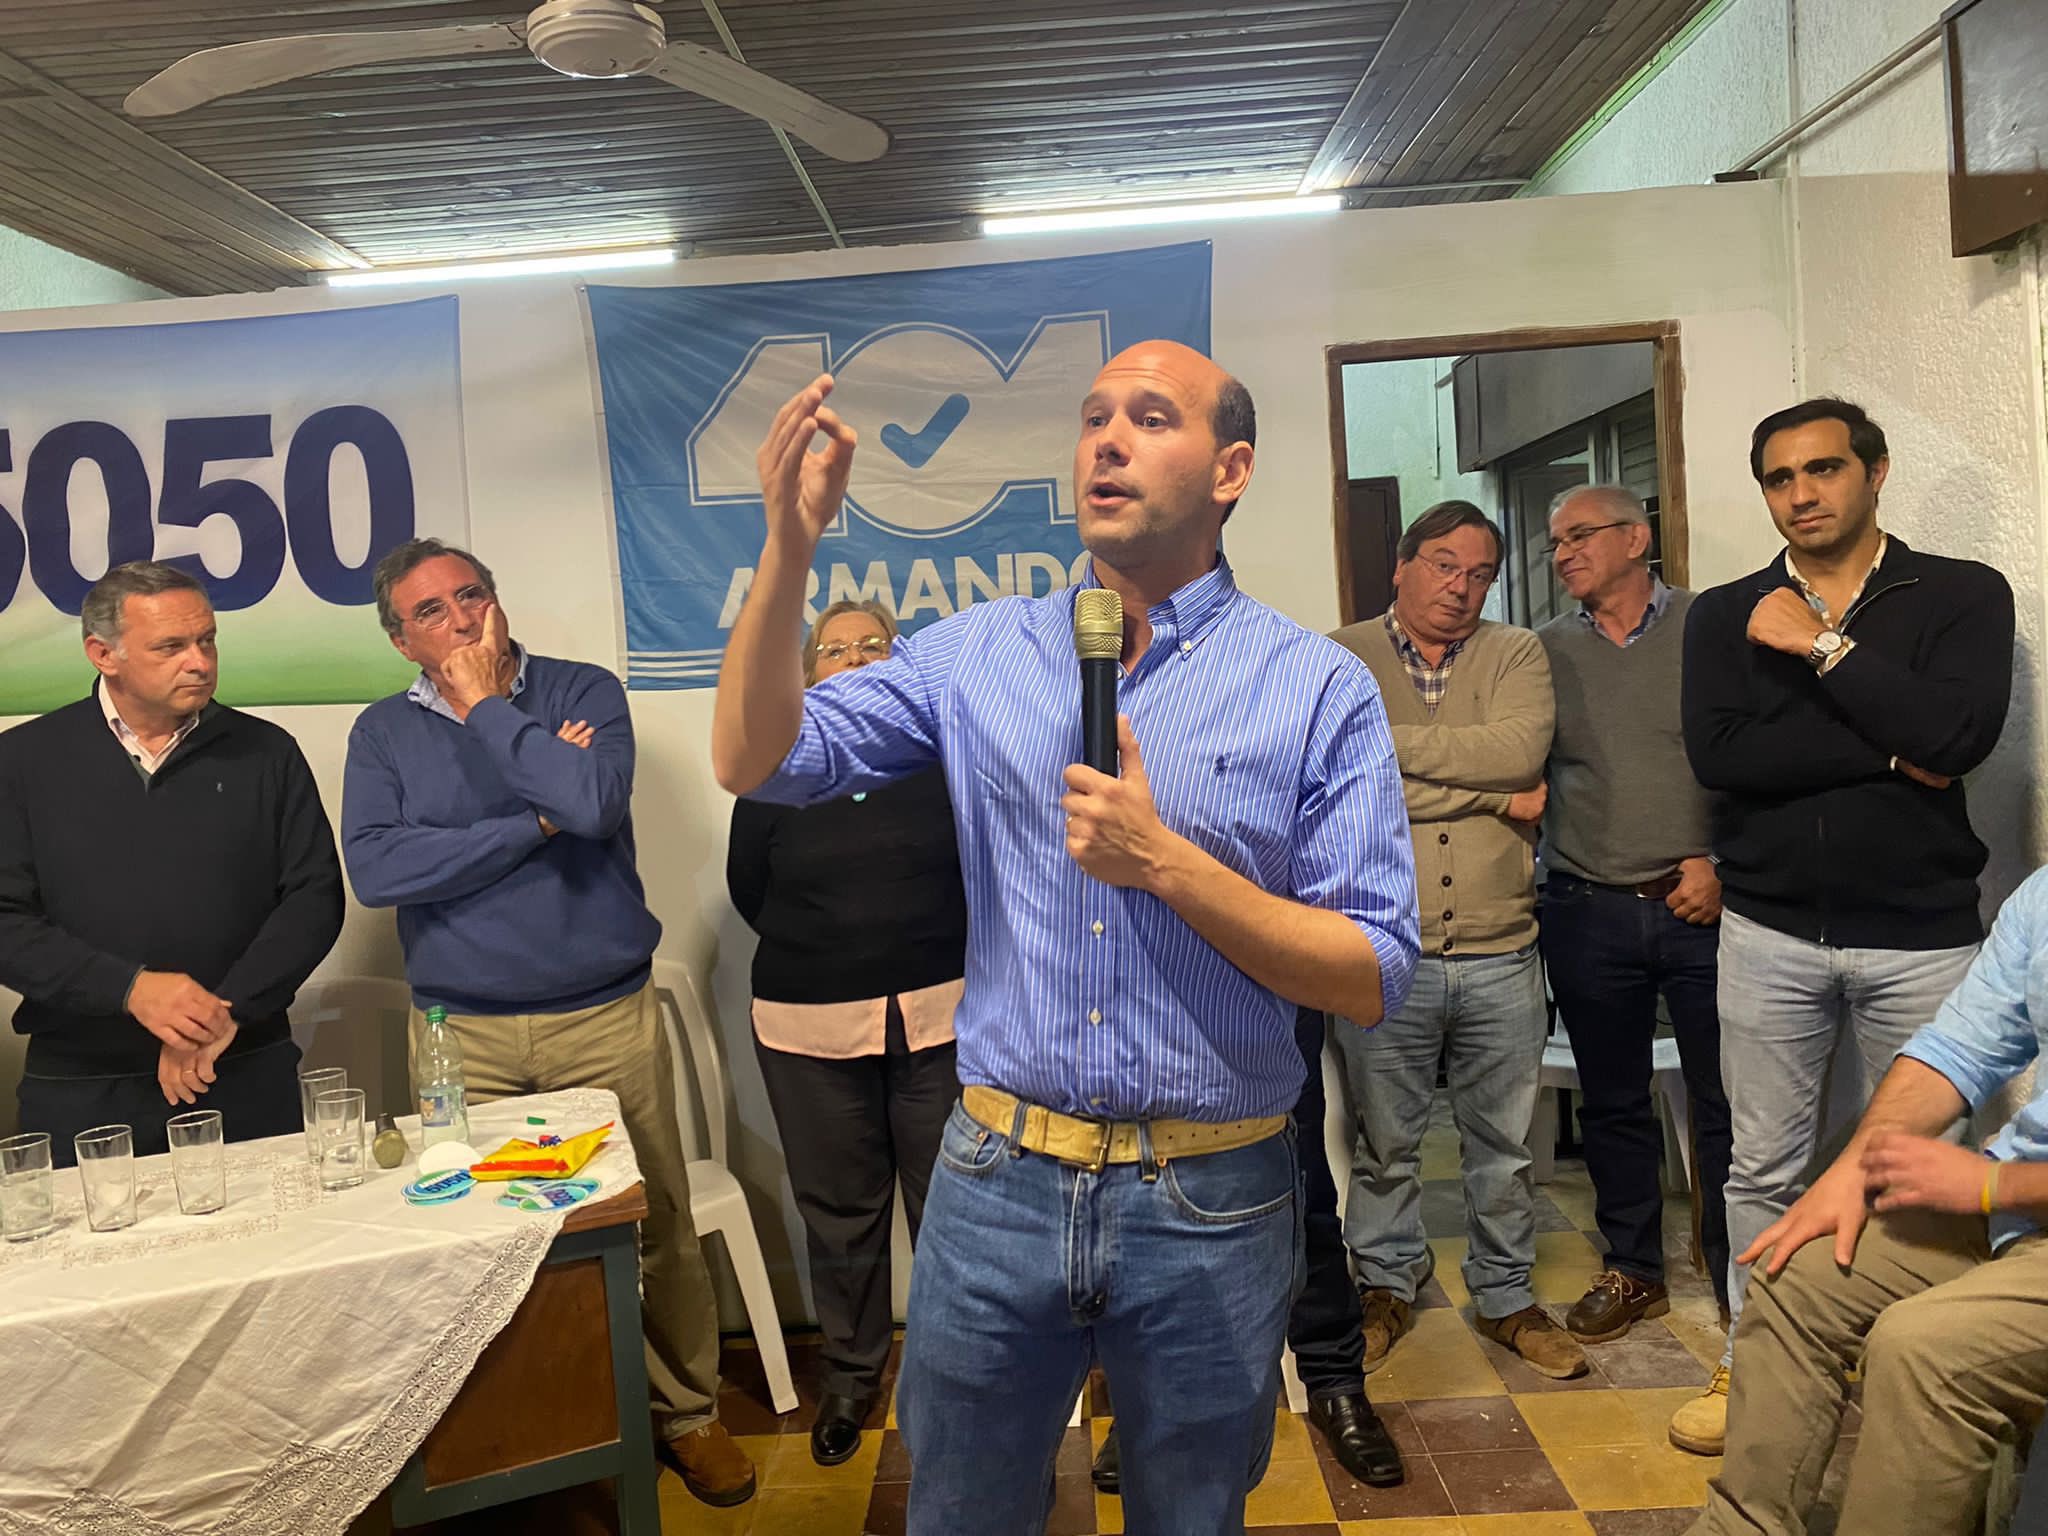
x=269 y=1368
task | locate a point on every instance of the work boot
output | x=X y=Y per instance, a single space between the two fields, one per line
x=1701 y=1423
x=1531 y=1334
x=1385 y=1318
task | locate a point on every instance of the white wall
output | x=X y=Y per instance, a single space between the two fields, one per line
x=1946 y=353
x=1399 y=419
x=36 y=275
x=1715 y=259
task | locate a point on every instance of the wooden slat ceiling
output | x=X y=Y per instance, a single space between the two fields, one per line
x=993 y=104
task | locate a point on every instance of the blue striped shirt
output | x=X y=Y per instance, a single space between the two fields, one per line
x=1265 y=745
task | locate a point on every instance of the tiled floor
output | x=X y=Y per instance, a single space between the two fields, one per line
x=1492 y=1448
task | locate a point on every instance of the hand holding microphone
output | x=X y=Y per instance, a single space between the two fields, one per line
x=1098 y=642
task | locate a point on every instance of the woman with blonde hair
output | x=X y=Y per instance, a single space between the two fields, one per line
x=863 y=927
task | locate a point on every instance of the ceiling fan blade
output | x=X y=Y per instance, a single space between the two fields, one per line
x=725 y=79
x=215 y=72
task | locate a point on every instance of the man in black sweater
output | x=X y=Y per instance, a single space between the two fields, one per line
x=1834 y=700
x=167 y=881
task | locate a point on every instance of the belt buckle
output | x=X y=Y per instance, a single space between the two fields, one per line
x=1105 y=1130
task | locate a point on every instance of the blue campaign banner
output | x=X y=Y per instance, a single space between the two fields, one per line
x=275 y=457
x=965 y=384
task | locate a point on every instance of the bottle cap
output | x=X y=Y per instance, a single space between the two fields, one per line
x=437 y=1014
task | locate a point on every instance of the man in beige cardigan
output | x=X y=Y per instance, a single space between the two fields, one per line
x=1471 y=708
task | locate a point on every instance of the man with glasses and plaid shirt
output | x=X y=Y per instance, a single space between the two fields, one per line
x=1471 y=709
x=491 y=804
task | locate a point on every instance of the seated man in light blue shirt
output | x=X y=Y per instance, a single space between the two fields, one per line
x=1943 y=1293
x=1118 y=1182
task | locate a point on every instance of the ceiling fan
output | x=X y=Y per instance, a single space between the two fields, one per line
x=586 y=39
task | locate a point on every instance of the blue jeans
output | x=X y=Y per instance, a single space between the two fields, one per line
x=1177 y=1278
x=1783 y=1000
x=1483 y=1014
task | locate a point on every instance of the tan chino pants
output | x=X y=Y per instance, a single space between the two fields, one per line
x=621 y=1046
x=1954 y=1348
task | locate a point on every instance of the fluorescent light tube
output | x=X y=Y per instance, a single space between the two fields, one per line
x=1171 y=213
x=519 y=266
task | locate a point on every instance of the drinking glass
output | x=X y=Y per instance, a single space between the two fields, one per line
x=106 y=1167
x=199 y=1164
x=338 y=1118
x=26 y=1204
x=313 y=1082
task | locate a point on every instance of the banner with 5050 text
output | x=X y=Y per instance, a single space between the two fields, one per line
x=965 y=384
x=275 y=457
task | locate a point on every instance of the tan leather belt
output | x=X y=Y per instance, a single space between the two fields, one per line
x=1092 y=1144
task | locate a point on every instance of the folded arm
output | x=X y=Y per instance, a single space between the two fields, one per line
x=585 y=791
x=393 y=861
x=1506 y=752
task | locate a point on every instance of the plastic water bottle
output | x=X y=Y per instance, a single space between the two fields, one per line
x=437 y=1067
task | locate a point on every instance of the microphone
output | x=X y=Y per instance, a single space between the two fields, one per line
x=1098 y=642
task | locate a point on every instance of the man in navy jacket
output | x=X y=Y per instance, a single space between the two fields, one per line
x=167 y=883
x=1833 y=700
x=491 y=804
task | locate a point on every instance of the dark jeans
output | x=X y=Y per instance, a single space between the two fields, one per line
x=850 y=1129
x=1609 y=954
x=256 y=1092
x=1323 y=1329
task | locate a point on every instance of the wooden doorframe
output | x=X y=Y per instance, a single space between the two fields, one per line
x=1669 y=387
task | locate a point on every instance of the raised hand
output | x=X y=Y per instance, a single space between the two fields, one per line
x=177 y=1010
x=479 y=671
x=802 y=491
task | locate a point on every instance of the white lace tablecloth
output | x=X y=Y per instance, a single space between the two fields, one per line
x=267 y=1370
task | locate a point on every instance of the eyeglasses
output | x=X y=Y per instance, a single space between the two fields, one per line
x=1574 y=537
x=874 y=648
x=1448 y=571
x=434 y=613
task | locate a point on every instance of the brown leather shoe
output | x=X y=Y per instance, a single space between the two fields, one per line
x=714 y=1469
x=1386 y=1318
x=1613 y=1304
x=1531 y=1334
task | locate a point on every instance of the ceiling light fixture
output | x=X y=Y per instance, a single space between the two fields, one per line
x=522 y=266
x=1168 y=213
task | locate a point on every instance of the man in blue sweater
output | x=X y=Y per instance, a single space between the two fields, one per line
x=490 y=803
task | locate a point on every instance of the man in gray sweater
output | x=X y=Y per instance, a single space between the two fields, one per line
x=1470 y=706
x=1630 y=902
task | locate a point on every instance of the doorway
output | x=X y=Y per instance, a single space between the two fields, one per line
x=1507 y=421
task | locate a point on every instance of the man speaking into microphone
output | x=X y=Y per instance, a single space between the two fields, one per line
x=1118 y=1181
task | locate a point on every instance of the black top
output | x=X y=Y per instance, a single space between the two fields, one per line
x=853 y=899
x=1817 y=835
x=221 y=866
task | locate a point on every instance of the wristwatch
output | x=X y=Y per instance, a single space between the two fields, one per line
x=1825 y=644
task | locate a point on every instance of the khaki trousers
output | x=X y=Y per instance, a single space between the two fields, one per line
x=1954 y=1347
x=620 y=1045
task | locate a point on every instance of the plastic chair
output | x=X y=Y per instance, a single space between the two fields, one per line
x=1561 y=1070
x=360 y=1023
x=717 y=1203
